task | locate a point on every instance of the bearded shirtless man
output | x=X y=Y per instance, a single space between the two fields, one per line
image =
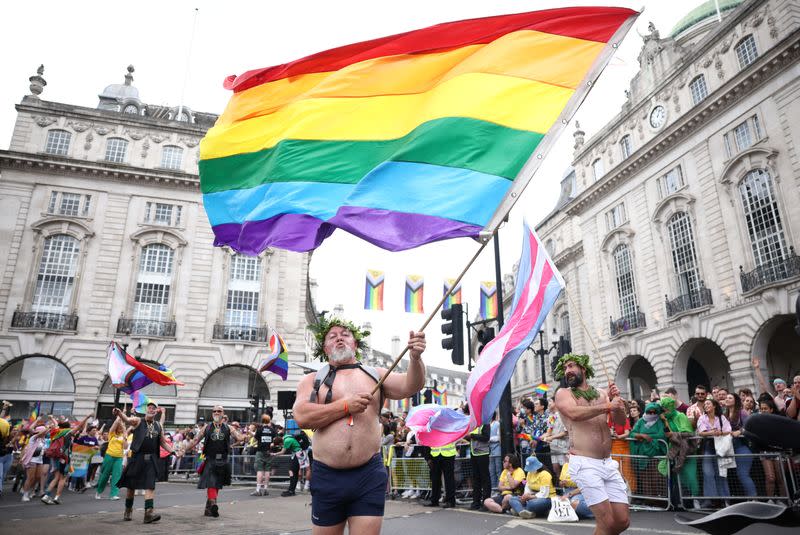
x=585 y=412
x=348 y=478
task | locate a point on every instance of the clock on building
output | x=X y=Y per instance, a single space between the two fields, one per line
x=658 y=115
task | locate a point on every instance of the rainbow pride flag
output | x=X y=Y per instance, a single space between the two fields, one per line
x=37 y=410
x=403 y=404
x=373 y=290
x=415 y=285
x=403 y=140
x=128 y=374
x=277 y=361
x=140 y=400
x=455 y=297
x=541 y=390
x=488 y=299
x=439 y=396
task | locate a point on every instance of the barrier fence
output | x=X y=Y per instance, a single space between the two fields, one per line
x=653 y=482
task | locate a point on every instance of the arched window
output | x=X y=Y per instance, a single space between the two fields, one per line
x=625 y=146
x=55 y=279
x=762 y=217
x=116 y=150
x=57 y=142
x=566 y=331
x=626 y=288
x=233 y=387
x=684 y=257
x=699 y=89
x=171 y=157
x=151 y=302
x=598 y=169
x=746 y=51
x=37 y=379
x=131 y=109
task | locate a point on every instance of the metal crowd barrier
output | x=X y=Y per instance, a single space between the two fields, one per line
x=648 y=488
x=242 y=468
x=703 y=492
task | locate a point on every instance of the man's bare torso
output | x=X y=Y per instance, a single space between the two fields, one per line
x=590 y=438
x=339 y=444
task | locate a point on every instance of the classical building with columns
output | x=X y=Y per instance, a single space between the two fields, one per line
x=678 y=222
x=103 y=236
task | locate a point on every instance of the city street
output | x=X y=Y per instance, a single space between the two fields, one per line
x=181 y=507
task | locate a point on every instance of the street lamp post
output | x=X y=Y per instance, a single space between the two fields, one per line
x=542 y=352
x=126 y=341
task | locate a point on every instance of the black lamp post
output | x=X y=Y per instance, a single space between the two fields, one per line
x=542 y=352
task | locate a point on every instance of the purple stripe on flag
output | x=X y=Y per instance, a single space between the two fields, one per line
x=394 y=231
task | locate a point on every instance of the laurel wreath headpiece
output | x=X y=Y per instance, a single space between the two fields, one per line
x=321 y=329
x=580 y=360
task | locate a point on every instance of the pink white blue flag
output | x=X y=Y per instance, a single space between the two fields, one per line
x=538 y=284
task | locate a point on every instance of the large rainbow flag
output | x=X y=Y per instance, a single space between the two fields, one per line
x=373 y=290
x=488 y=299
x=128 y=374
x=537 y=288
x=415 y=287
x=452 y=298
x=277 y=361
x=402 y=140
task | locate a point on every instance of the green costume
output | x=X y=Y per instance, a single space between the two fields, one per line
x=682 y=429
x=656 y=431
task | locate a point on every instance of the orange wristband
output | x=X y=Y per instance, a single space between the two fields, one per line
x=346 y=409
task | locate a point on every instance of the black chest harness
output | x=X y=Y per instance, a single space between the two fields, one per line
x=326 y=375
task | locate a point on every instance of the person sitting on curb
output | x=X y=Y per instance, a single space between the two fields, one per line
x=511 y=483
x=535 y=500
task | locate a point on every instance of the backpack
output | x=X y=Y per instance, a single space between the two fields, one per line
x=303 y=440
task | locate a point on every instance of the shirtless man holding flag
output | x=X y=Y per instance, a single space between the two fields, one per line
x=585 y=411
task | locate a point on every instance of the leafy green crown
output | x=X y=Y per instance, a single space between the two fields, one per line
x=324 y=325
x=580 y=360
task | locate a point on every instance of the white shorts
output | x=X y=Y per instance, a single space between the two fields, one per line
x=598 y=479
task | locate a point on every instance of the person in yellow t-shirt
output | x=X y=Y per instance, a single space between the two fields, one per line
x=112 y=461
x=511 y=483
x=539 y=488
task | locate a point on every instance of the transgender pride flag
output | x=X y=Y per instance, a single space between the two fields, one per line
x=537 y=288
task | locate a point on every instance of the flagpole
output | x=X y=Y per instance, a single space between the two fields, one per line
x=432 y=314
x=188 y=65
x=589 y=334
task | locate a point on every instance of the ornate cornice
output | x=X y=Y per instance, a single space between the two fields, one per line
x=569 y=255
x=775 y=61
x=47 y=163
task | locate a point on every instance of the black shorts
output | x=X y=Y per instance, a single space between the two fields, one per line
x=338 y=494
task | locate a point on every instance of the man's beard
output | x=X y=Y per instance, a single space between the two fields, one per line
x=575 y=380
x=344 y=354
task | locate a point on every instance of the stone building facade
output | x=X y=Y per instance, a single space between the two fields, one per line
x=103 y=236
x=677 y=226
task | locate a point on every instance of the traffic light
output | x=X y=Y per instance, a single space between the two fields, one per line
x=254 y=403
x=454 y=326
x=485 y=336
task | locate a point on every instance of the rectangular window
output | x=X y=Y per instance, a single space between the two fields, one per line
x=746 y=51
x=151 y=301
x=615 y=217
x=116 y=150
x=178 y=210
x=57 y=142
x=743 y=136
x=699 y=89
x=625 y=146
x=171 y=157
x=242 y=308
x=670 y=182
x=163 y=214
x=69 y=204
x=598 y=169
x=157 y=213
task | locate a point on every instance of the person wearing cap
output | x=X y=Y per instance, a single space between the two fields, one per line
x=142 y=469
x=539 y=488
x=215 y=471
x=585 y=410
x=779 y=392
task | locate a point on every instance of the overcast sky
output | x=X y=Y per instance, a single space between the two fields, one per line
x=88 y=45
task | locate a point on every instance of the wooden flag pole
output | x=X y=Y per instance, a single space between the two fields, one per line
x=432 y=314
x=589 y=334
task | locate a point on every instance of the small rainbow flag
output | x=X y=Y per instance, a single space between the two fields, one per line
x=415 y=285
x=455 y=297
x=541 y=390
x=373 y=290
x=277 y=361
x=440 y=396
x=488 y=300
x=403 y=404
x=37 y=409
x=140 y=400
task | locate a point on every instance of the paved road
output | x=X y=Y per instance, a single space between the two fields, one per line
x=182 y=508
